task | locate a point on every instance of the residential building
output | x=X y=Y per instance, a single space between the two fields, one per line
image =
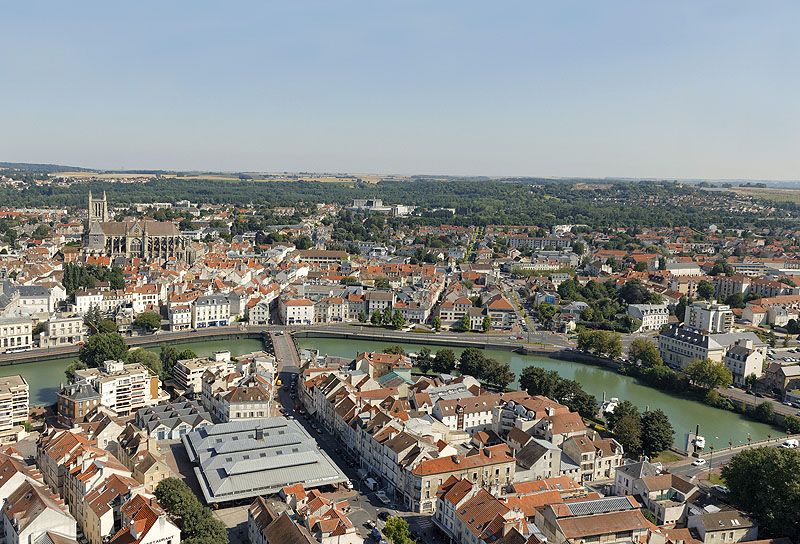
x=492 y=466
x=598 y=458
x=611 y=520
x=743 y=359
x=77 y=402
x=211 y=311
x=652 y=316
x=296 y=311
x=62 y=331
x=15 y=334
x=188 y=373
x=33 y=514
x=14 y=406
x=123 y=388
x=723 y=527
x=145 y=522
x=709 y=317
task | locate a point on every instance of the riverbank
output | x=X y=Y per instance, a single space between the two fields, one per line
x=599 y=379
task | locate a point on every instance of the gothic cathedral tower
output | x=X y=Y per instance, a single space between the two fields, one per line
x=98 y=209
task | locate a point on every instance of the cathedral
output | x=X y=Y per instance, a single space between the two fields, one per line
x=145 y=238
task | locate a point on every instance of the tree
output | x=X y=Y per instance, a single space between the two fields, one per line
x=387 y=315
x=791 y=424
x=571 y=394
x=197 y=523
x=623 y=409
x=362 y=317
x=175 y=497
x=396 y=530
x=437 y=323
x=498 y=373
x=708 y=374
x=612 y=343
x=735 y=300
x=147 y=359
x=395 y=350
x=765 y=482
x=425 y=360
x=705 y=290
x=680 y=308
x=398 y=321
x=70 y=370
x=721 y=267
x=382 y=283
x=149 y=321
x=376 y=318
x=628 y=432
x=103 y=347
x=644 y=352
x=657 y=432
x=750 y=381
x=168 y=356
x=764 y=412
x=445 y=361
x=487 y=324
x=465 y=323
x=538 y=381
x=546 y=312
x=186 y=353
x=472 y=363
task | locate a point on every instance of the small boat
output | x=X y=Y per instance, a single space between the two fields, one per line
x=608 y=406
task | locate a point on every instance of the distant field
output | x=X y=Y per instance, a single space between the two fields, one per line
x=367 y=178
x=769 y=193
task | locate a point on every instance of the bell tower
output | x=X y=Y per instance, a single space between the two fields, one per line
x=98 y=209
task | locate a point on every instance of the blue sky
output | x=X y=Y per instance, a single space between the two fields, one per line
x=688 y=89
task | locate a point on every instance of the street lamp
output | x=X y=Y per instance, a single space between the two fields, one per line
x=710 y=461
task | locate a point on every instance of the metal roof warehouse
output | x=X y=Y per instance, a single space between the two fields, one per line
x=245 y=459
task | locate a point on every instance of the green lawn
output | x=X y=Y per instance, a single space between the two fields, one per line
x=666 y=456
x=716 y=479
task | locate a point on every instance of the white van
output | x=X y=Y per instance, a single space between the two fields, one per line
x=791 y=443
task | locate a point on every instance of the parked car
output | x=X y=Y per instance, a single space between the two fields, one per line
x=791 y=443
x=720 y=489
x=383 y=515
x=699 y=462
x=348 y=484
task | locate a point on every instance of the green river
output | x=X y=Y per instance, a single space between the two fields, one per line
x=718 y=426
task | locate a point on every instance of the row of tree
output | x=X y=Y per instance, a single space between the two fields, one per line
x=107 y=346
x=601 y=343
x=77 y=276
x=548 y=383
x=647 y=433
x=474 y=362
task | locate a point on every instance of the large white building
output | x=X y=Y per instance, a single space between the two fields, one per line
x=744 y=359
x=62 y=331
x=15 y=333
x=298 y=311
x=188 y=374
x=709 y=317
x=123 y=388
x=652 y=316
x=14 y=404
x=211 y=311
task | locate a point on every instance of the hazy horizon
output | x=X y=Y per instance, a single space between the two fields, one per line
x=684 y=90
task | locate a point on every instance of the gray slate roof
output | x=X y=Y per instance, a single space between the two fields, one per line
x=245 y=459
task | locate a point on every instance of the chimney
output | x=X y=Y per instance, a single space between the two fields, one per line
x=456 y=459
x=550 y=411
x=259 y=433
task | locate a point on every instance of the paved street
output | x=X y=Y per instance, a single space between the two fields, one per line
x=738 y=395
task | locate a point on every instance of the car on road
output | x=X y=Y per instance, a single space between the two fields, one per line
x=699 y=462
x=791 y=444
x=348 y=484
x=383 y=515
x=382 y=497
x=720 y=489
